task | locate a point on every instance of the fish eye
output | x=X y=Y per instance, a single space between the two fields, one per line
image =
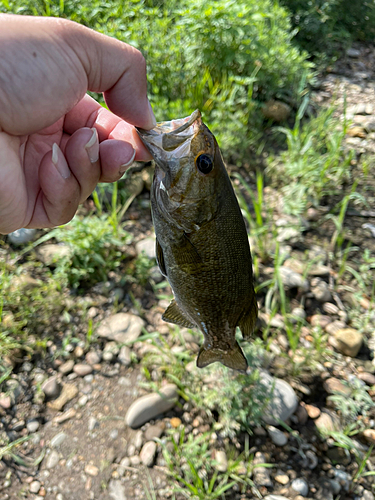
x=204 y=163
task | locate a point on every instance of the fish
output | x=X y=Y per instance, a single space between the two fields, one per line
x=202 y=246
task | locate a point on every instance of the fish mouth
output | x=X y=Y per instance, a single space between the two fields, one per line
x=171 y=139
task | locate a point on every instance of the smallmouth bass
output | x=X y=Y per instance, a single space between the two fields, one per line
x=202 y=246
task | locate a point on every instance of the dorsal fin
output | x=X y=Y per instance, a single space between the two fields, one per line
x=174 y=315
x=234 y=358
x=248 y=319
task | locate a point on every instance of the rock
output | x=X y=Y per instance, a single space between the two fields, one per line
x=154 y=431
x=34 y=487
x=32 y=425
x=282 y=479
x=368 y=378
x=339 y=455
x=5 y=402
x=81 y=369
x=261 y=475
x=134 y=460
x=283 y=400
x=320 y=290
x=67 y=367
x=58 y=440
x=277 y=111
x=93 y=358
x=333 y=385
x=221 y=461
x=327 y=422
x=369 y=435
x=319 y=270
x=67 y=415
x=330 y=308
x=291 y=279
x=52 y=460
x=21 y=236
x=313 y=411
x=357 y=131
x=367 y=495
x=349 y=341
x=175 y=422
x=69 y=392
x=125 y=356
x=116 y=490
x=51 y=253
x=148 y=453
x=298 y=313
x=277 y=437
x=121 y=327
x=92 y=423
x=275 y=497
x=51 y=388
x=91 y=470
x=334 y=327
x=150 y=406
x=354 y=53
x=300 y=486
x=320 y=320
x=146 y=246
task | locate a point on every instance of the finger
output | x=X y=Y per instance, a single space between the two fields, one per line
x=82 y=156
x=115 y=158
x=89 y=113
x=59 y=197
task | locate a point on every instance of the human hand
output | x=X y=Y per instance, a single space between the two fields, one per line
x=56 y=142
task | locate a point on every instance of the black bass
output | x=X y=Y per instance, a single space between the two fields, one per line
x=202 y=245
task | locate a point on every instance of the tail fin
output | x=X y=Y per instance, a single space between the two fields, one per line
x=234 y=358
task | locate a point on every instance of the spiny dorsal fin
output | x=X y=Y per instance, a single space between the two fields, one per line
x=233 y=358
x=160 y=258
x=174 y=315
x=248 y=319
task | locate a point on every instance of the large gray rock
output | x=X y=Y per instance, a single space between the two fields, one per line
x=283 y=402
x=150 y=406
x=121 y=327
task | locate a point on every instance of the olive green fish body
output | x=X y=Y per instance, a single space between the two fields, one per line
x=202 y=243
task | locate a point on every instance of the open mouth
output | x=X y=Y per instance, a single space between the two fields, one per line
x=173 y=136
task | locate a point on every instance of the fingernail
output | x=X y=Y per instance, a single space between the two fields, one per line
x=92 y=147
x=152 y=116
x=124 y=166
x=58 y=159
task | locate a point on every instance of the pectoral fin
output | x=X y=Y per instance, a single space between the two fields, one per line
x=234 y=358
x=160 y=258
x=174 y=315
x=248 y=319
x=186 y=253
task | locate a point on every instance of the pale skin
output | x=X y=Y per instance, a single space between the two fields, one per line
x=56 y=142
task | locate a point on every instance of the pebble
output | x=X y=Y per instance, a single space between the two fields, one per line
x=320 y=290
x=67 y=367
x=125 y=356
x=333 y=385
x=51 y=388
x=146 y=246
x=91 y=470
x=51 y=253
x=117 y=490
x=282 y=479
x=92 y=358
x=150 y=406
x=349 y=341
x=291 y=279
x=369 y=435
x=320 y=320
x=175 y=422
x=83 y=400
x=67 y=415
x=154 y=431
x=58 y=440
x=368 y=378
x=5 y=402
x=121 y=327
x=81 y=369
x=367 y=495
x=34 y=487
x=283 y=402
x=330 y=308
x=92 y=423
x=335 y=326
x=69 y=392
x=32 y=425
x=300 y=486
x=277 y=437
x=275 y=497
x=354 y=53
x=312 y=411
x=21 y=236
x=134 y=460
x=147 y=454
x=221 y=461
x=261 y=474
x=339 y=455
x=327 y=422
x=52 y=460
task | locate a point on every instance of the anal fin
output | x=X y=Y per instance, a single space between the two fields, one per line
x=174 y=315
x=248 y=319
x=234 y=358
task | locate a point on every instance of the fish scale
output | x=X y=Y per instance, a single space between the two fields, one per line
x=201 y=239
